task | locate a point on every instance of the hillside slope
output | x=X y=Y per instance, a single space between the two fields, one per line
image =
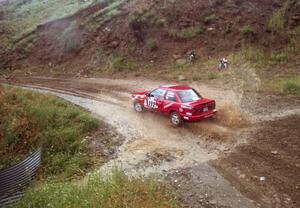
x=123 y=36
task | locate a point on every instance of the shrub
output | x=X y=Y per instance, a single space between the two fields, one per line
x=187 y=33
x=278 y=58
x=149 y=18
x=120 y=63
x=248 y=31
x=210 y=18
x=152 y=45
x=6 y=44
x=292 y=86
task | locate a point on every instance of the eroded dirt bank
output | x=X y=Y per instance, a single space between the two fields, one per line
x=267 y=169
x=251 y=149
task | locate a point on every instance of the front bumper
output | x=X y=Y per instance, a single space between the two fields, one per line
x=200 y=117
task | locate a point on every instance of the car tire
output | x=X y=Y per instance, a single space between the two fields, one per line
x=138 y=107
x=175 y=119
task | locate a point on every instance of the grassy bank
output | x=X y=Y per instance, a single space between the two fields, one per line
x=115 y=191
x=29 y=119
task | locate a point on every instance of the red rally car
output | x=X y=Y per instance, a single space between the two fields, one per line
x=181 y=103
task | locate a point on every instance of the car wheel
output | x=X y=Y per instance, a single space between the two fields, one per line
x=138 y=107
x=176 y=119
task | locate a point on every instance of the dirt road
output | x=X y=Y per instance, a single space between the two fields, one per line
x=248 y=157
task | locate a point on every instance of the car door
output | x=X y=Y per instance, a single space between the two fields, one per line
x=170 y=99
x=154 y=99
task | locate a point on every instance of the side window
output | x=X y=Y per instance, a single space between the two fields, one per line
x=170 y=96
x=157 y=93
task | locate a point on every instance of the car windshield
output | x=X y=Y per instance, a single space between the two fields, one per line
x=189 y=95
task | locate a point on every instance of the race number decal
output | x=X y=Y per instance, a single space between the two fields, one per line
x=150 y=102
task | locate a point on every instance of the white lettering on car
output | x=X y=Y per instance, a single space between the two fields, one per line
x=151 y=103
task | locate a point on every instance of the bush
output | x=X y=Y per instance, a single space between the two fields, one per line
x=152 y=45
x=120 y=63
x=292 y=87
x=116 y=190
x=187 y=33
x=210 y=18
x=279 y=58
x=248 y=31
x=149 y=18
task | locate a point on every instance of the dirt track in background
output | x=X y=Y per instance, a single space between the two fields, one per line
x=253 y=144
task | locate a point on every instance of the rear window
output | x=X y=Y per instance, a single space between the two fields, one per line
x=187 y=96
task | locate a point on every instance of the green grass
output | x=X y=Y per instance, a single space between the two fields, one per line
x=210 y=18
x=146 y=17
x=291 y=86
x=260 y=57
x=187 y=33
x=29 y=119
x=212 y=75
x=116 y=190
x=120 y=63
x=277 y=20
x=27 y=16
x=283 y=85
x=248 y=30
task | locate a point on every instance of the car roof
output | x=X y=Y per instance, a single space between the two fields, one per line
x=177 y=87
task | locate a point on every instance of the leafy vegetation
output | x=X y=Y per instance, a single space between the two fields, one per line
x=210 y=18
x=152 y=45
x=291 y=86
x=277 y=20
x=28 y=120
x=261 y=57
x=116 y=190
x=146 y=17
x=248 y=30
x=187 y=33
x=120 y=63
x=211 y=75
